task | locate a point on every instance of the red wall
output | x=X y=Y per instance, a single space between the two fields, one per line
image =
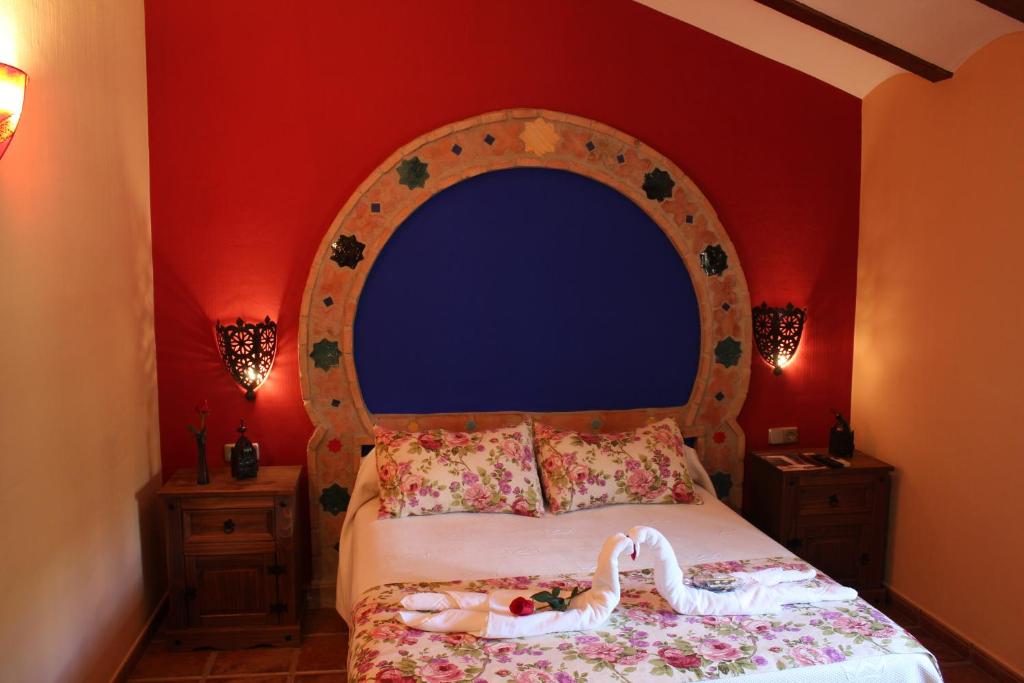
x=264 y=117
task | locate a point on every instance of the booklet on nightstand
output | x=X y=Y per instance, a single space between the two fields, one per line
x=792 y=462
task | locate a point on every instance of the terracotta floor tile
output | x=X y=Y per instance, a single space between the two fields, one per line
x=255 y=661
x=965 y=673
x=322 y=621
x=323 y=653
x=320 y=678
x=171 y=664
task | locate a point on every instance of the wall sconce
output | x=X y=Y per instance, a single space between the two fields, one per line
x=248 y=350
x=12 y=97
x=777 y=333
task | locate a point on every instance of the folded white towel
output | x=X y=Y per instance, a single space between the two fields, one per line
x=495 y=601
x=776 y=575
x=487 y=615
x=763 y=592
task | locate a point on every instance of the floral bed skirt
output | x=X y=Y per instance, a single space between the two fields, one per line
x=644 y=639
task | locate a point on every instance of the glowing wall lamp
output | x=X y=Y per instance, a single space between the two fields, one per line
x=12 y=97
x=248 y=350
x=777 y=333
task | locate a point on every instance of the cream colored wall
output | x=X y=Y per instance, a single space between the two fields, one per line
x=81 y=567
x=938 y=386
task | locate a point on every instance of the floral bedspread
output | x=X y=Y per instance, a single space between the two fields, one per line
x=644 y=639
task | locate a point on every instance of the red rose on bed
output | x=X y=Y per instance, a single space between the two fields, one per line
x=678 y=659
x=430 y=441
x=592 y=439
x=521 y=607
x=681 y=493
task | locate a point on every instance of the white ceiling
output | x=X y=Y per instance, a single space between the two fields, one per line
x=944 y=32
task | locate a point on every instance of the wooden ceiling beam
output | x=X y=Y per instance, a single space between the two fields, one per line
x=859 y=39
x=1011 y=8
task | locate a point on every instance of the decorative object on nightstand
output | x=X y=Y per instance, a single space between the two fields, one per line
x=840 y=438
x=777 y=333
x=202 y=470
x=244 y=462
x=235 y=559
x=835 y=518
x=248 y=351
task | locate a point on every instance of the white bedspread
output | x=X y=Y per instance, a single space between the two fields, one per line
x=479 y=546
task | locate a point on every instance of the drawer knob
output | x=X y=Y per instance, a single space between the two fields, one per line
x=229 y=526
x=865 y=559
x=833 y=500
x=794 y=543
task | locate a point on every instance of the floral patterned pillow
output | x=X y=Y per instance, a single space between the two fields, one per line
x=437 y=471
x=646 y=465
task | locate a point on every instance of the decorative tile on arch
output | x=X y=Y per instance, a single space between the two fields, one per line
x=482 y=144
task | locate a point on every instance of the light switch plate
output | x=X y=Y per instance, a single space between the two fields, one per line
x=229 y=446
x=783 y=435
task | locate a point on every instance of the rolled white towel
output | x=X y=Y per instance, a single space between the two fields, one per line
x=435 y=602
x=496 y=601
x=488 y=615
x=776 y=575
x=447 y=621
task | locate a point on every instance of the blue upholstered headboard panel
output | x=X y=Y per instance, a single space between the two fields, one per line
x=527 y=289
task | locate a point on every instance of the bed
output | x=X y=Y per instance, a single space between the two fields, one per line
x=384 y=559
x=535 y=261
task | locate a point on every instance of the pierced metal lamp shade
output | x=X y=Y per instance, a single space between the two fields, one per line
x=12 y=97
x=248 y=350
x=777 y=333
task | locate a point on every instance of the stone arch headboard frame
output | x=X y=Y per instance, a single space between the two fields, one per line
x=448 y=155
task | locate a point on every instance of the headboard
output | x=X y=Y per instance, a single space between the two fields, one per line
x=656 y=324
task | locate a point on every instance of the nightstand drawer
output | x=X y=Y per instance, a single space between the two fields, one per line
x=839 y=499
x=231 y=525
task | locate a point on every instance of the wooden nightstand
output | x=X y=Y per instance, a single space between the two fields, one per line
x=235 y=558
x=837 y=520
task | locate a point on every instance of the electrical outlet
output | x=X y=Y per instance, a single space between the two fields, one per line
x=782 y=435
x=229 y=446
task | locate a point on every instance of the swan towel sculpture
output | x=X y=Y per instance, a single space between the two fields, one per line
x=487 y=615
x=761 y=592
